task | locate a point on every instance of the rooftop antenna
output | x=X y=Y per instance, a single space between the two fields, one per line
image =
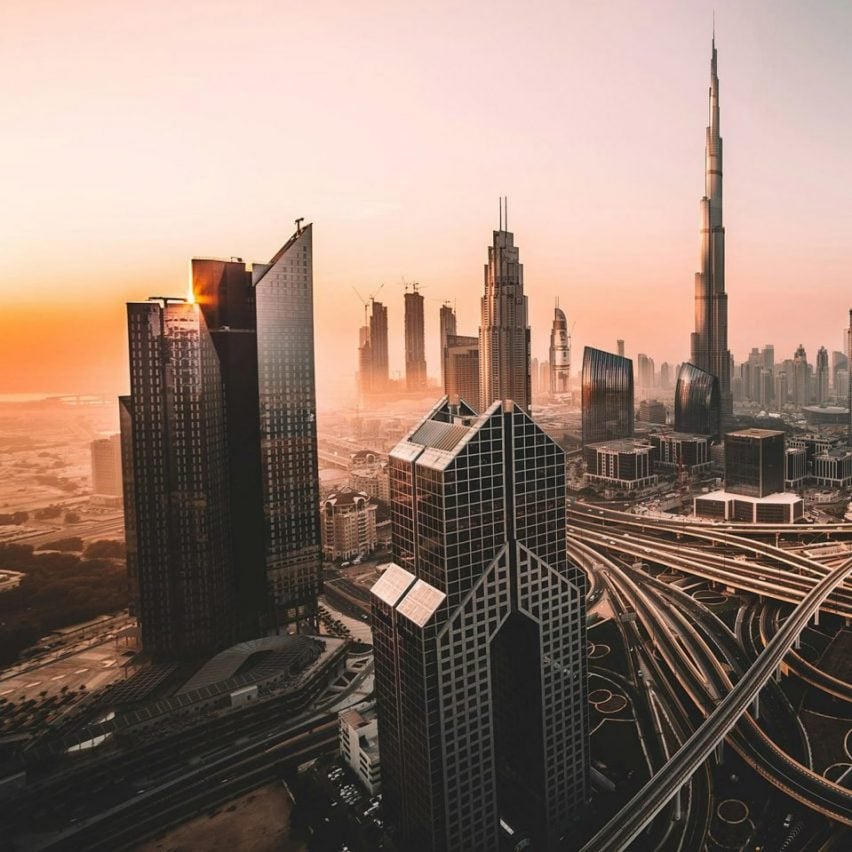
x=299 y=224
x=506 y=217
x=500 y=207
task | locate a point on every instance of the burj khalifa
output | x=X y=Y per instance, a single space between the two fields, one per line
x=709 y=349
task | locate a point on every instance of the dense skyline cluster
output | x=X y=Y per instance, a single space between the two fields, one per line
x=130 y=192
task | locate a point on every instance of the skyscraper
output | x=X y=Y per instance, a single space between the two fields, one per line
x=646 y=372
x=560 y=353
x=504 y=335
x=174 y=450
x=697 y=402
x=801 y=389
x=379 y=374
x=709 y=344
x=822 y=376
x=620 y=348
x=106 y=466
x=607 y=396
x=232 y=445
x=288 y=428
x=461 y=370
x=224 y=292
x=849 y=376
x=447 y=327
x=479 y=636
x=415 y=342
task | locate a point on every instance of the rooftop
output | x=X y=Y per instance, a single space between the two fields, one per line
x=754 y=433
x=622 y=445
x=780 y=498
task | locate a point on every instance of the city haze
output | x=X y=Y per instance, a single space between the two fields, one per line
x=138 y=137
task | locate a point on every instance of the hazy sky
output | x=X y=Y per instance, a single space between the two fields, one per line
x=136 y=135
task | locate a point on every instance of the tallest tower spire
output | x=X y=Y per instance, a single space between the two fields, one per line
x=709 y=344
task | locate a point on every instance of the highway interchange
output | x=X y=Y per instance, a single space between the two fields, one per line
x=699 y=686
x=682 y=654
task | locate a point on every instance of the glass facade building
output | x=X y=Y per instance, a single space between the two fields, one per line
x=607 y=395
x=697 y=402
x=224 y=292
x=219 y=454
x=755 y=463
x=479 y=637
x=288 y=427
x=174 y=448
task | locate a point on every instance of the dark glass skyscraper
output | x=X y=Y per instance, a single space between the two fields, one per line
x=479 y=633
x=696 y=402
x=224 y=292
x=607 y=391
x=174 y=447
x=235 y=442
x=709 y=342
x=504 y=334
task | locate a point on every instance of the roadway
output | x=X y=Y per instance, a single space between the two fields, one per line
x=785 y=577
x=658 y=709
x=624 y=827
x=697 y=668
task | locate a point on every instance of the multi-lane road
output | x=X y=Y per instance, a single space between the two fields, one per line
x=786 y=575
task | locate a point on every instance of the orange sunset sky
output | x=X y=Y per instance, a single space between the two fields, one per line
x=136 y=135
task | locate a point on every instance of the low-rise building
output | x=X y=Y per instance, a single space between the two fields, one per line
x=677 y=449
x=359 y=746
x=373 y=481
x=778 y=508
x=834 y=468
x=348 y=524
x=625 y=464
x=814 y=445
x=652 y=411
x=795 y=467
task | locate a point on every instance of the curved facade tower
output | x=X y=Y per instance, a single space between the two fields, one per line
x=709 y=344
x=560 y=353
x=696 y=402
x=607 y=387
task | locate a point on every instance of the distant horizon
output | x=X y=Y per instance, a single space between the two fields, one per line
x=186 y=140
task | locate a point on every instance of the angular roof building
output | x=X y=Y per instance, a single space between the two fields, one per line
x=479 y=636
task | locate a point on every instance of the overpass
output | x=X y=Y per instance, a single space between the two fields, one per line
x=789 y=586
x=843 y=528
x=625 y=826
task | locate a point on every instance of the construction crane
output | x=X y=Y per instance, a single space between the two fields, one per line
x=367 y=302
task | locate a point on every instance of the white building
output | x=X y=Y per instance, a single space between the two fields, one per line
x=359 y=746
x=348 y=524
x=372 y=480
